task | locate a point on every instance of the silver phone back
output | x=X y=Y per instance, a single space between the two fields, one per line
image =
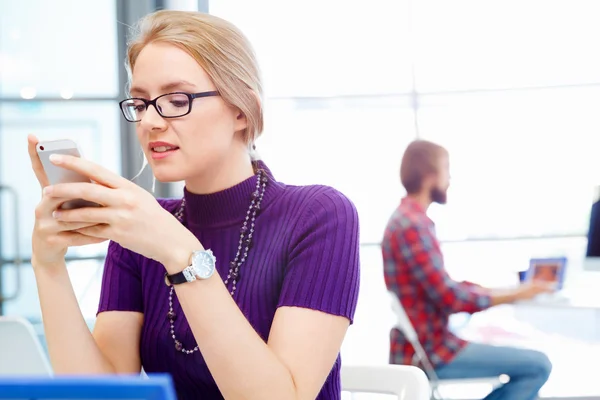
x=57 y=174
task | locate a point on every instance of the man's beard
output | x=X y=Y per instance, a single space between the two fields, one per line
x=438 y=195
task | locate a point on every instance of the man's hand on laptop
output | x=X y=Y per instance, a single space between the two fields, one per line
x=529 y=290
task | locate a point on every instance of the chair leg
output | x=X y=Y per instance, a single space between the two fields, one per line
x=435 y=393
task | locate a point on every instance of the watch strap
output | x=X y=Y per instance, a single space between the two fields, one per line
x=175 y=279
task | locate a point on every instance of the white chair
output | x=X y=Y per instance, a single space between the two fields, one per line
x=404 y=325
x=404 y=381
x=21 y=352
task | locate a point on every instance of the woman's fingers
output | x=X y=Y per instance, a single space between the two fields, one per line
x=90 y=215
x=48 y=205
x=73 y=226
x=83 y=190
x=92 y=170
x=50 y=226
x=44 y=214
x=74 y=239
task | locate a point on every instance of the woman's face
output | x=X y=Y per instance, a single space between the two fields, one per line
x=192 y=146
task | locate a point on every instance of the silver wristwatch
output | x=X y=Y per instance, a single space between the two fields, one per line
x=203 y=266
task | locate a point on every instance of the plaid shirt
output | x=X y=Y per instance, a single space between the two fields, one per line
x=414 y=270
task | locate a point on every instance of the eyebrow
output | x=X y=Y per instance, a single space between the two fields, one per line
x=164 y=88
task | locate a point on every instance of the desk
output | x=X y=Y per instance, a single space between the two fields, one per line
x=578 y=310
x=568 y=330
x=568 y=300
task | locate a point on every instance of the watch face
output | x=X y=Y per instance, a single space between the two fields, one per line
x=204 y=264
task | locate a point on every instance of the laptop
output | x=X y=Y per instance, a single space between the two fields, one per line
x=21 y=352
x=116 y=387
x=550 y=270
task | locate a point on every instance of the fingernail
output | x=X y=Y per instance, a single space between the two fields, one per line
x=56 y=158
x=56 y=214
x=47 y=190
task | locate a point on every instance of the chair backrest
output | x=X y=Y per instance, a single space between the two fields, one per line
x=404 y=381
x=21 y=352
x=404 y=325
x=402 y=321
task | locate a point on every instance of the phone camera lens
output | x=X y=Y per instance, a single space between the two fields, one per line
x=42 y=148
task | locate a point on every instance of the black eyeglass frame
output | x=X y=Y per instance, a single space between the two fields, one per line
x=148 y=103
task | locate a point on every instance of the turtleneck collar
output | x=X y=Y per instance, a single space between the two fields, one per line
x=228 y=206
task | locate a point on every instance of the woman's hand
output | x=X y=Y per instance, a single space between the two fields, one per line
x=51 y=238
x=129 y=215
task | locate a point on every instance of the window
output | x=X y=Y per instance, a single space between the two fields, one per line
x=326 y=48
x=496 y=263
x=60 y=48
x=58 y=79
x=523 y=162
x=469 y=44
x=93 y=125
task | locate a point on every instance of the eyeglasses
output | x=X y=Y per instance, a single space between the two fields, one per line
x=170 y=105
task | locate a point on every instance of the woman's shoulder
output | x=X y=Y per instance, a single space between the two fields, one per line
x=310 y=206
x=316 y=197
x=303 y=197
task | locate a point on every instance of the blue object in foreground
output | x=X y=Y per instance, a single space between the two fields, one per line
x=157 y=387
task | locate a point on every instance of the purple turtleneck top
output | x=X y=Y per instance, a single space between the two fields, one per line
x=304 y=254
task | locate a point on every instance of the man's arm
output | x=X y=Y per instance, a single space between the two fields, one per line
x=420 y=249
x=504 y=296
x=498 y=296
x=473 y=285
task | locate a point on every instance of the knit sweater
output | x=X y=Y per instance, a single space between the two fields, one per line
x=304 y=254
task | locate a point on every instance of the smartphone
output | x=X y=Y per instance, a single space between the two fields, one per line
x=56 y=174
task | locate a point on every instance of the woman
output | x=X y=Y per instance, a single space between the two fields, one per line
x=269 y=324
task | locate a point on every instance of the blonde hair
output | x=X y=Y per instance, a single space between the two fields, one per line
x=222 y=51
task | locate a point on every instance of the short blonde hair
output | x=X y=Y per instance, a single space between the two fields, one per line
x=219 y=47
x=421 y=158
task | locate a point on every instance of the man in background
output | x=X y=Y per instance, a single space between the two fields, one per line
x=414 y=271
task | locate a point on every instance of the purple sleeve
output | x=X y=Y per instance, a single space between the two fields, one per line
x=121 y=281
x=323 y=265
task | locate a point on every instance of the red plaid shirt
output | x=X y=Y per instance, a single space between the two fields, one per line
x=414 y=270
